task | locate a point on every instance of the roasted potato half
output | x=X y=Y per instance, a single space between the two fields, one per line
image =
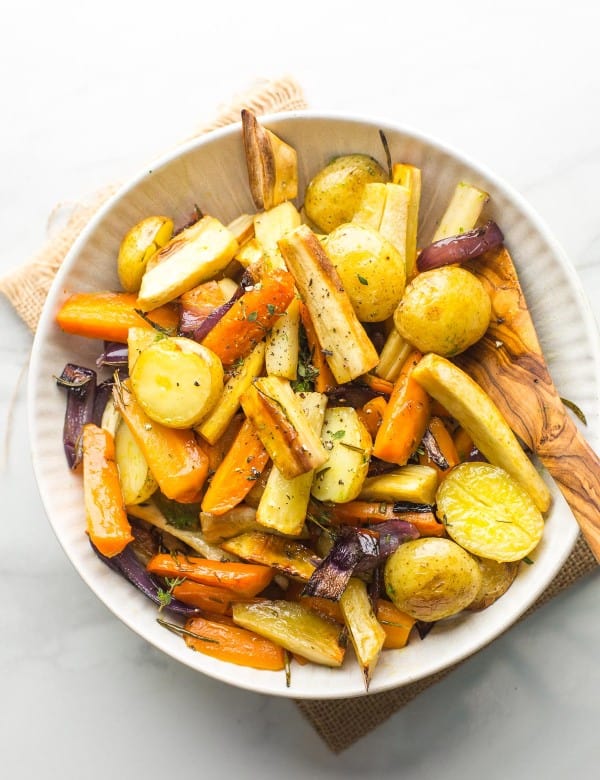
x=334 y=193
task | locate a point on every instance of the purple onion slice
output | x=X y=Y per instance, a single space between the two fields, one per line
x=80 y=383
x=115 y=354
x=459 y=249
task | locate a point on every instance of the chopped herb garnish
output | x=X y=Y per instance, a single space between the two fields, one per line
x=362 y=280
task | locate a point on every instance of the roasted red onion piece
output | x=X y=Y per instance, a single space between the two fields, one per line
x=432 y=449
x=127 y=565
x=459 y=249
x=393 y=533
x=330 y=578
x=115 y=354
x=198 y=327
x=80 y=383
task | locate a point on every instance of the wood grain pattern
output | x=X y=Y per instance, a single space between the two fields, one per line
x=508 y=363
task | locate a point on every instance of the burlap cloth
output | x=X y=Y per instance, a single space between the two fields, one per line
x=340 y=722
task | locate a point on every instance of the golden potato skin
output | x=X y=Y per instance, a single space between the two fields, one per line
x=496 y=579
x=371 y=269
x=431 y=578
x=444 y=310
x=333 y=194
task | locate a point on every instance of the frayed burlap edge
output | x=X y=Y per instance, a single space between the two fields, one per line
x=27 y=286
x=341 y=722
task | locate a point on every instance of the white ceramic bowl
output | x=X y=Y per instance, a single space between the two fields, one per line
x=211 y=172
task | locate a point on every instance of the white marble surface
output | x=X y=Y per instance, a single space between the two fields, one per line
x=90 y=92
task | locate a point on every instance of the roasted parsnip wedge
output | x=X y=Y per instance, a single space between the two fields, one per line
x=349 y=351
x=215 y=425
x=283 y=344
x=384 y=207
x=349 y=446
x=217 y=528
x=480 y=417
x=272 y=164
x=409 y=176
x=191 y=257
x=463 y=211
x=286 y=555
x=417 y=484
x=393 y=356
x=366 y=633
x=284 y=502
x=276 y=411
x=295 y=627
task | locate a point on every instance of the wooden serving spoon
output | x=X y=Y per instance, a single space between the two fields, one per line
x=509 y=365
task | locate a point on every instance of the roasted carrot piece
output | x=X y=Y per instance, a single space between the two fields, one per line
x=405 y=417
x=209 y=598
x=233 y=644
x=173 y=455
x=109 y=315
x=324 y=380
x=216 y=452
x=378 y=384
x=204 y=298
x=251 y=317
x=243 y=579
x=371 y=414
x=107 y=523
x=396 y=624
x=445 y=445
x=367 y=512
x=463 y=443
x=240 y=468
x=326 y=607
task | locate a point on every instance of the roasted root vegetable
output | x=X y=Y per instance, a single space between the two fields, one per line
x=244 y=325
x=366 y=633
x=414 y=483
x=272 y=164
x=295 y=627
x=244 y=579
x=334 y=193
x=463 y=211
x=371 y=268
x=405 y=417
x=282 y=426
x=348 y=444
x=286 y=555
x=135 y=477
x=444 y=310
x=80 y=384
x=458 y=249
x=217 y=528
x=193 y=256
x=107 y=524
x=348 y=349
x=241 y=466
x=283 y=343
x=409 y=176
x=431 y=578
x=177 y=382
x=284 y=502
x=224 y=640
x=109 y=315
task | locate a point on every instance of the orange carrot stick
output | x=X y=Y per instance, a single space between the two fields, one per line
x=243 y=579
x=378 y=384
x=107 y=523
x=371 y=414
x=396 y=624
x=367 y=512
x=209 y=598
x=463 y=443
x=251 y=317
x=445 y=445
x=173 y=455
x=405 y=418
x=109 y=315
x=324 y=380
x=239 y=470
x=231 y=643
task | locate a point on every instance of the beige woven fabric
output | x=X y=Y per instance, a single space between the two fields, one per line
x=340 y=722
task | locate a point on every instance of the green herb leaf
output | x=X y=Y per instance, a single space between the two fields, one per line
x=362 y=280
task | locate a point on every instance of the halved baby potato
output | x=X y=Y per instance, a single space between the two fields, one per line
x=488 y=513
x=177 y=381
x=139 y=245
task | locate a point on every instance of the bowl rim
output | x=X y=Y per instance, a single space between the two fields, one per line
x=273 y=120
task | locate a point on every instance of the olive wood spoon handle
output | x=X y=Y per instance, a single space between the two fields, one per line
x=509 y=365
